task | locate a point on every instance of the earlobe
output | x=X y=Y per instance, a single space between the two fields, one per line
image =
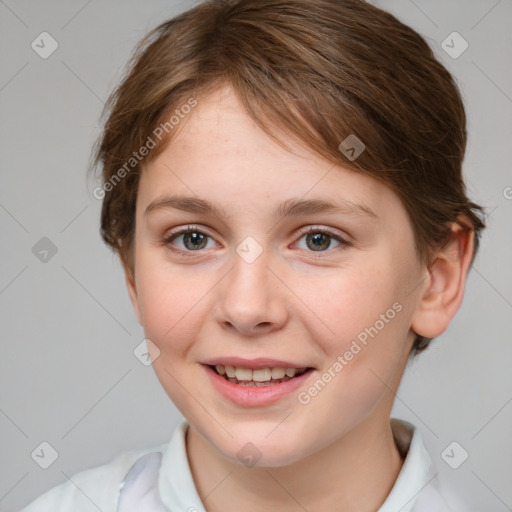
x=444 y=286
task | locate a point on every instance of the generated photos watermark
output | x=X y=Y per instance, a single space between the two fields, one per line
x=151 y=142
x=305 y=397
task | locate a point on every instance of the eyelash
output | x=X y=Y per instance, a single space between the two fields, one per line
x=167 y=241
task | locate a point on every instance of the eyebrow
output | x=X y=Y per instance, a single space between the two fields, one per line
x=290 y=207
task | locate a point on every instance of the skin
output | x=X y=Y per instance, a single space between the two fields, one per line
x=291 y=303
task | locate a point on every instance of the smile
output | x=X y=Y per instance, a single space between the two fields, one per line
x=256 y=387
x=257 y=377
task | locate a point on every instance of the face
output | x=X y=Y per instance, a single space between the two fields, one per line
x=238 y=262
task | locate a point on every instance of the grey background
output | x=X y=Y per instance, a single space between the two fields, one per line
x=68 y=372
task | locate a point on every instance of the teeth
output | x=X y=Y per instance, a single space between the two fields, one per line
x=278 y=373
x=257 y=377
x=243 y=373
x=262 y=375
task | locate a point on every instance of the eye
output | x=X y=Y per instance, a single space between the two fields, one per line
x=321 y=240
x=189 y=239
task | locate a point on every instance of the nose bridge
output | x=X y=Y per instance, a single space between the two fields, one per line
x=250 y=299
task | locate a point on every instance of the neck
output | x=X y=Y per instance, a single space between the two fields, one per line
x=355 y=473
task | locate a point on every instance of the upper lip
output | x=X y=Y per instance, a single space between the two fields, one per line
x=254 y=364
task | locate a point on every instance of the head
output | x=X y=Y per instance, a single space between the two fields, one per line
x=230 y=113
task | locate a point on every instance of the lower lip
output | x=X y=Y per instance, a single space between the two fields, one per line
x=255 y=396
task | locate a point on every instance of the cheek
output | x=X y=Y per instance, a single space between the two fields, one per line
x=349 y=303
x=370 y=317
x=171 y=311
x=367 y=315
x=169 y=303
x=366 y=311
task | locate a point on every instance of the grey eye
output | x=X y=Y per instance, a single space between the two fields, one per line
x=191 y=240
x=319 y=241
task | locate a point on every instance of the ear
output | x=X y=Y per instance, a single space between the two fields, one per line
x=131 y=285
x=444 y=286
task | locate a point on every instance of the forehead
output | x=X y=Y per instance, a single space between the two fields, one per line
x=220 y=154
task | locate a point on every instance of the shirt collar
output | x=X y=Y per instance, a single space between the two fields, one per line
x=413 y=476
x=175 y=482
x=178 y=491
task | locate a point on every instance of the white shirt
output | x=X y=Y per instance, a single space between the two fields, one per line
x=159 y=479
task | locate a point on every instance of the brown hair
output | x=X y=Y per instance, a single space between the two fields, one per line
x=319 y=69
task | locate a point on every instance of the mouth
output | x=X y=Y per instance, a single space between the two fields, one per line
x=258 y=377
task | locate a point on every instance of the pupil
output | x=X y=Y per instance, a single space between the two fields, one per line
x=197 y=239
x=320 y=241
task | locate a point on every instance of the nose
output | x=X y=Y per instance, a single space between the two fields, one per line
x=251 y=300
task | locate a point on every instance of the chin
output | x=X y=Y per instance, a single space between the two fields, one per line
x=259 y=451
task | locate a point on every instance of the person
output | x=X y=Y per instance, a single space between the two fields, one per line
x=282 y=180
